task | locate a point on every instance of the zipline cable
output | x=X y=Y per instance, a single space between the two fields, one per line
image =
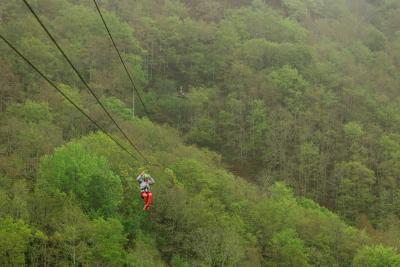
x=65 y=96
x=83 y=80
x=120 y=58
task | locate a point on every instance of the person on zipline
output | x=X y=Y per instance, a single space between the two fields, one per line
x=145 y=181
x=180 y=92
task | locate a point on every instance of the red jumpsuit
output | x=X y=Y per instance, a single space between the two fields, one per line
x=146 y=196
x=144 y=183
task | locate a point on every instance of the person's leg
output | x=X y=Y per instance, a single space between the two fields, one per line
x=148 y=200
x=144 y=196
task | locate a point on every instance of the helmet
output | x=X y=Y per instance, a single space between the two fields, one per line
x=146 y=176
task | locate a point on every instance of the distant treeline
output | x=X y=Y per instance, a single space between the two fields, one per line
x=298 y=97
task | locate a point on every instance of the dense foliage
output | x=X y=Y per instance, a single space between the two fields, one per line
x=297 y=97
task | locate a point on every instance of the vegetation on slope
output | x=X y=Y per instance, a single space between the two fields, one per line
x=298 y=97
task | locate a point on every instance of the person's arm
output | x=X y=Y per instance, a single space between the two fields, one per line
x=139 y=178
x=151 y=180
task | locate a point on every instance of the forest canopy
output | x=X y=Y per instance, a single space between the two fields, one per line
x=273 y=129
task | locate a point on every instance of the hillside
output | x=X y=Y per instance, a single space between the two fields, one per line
x=283 y=151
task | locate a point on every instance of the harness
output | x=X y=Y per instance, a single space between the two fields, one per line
x=144 y=186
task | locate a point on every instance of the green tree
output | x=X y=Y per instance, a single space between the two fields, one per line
x=27 y=133
x=14 y=199
x=376 y=256
x=74 y=170
x=354 y=133
x=289 y=86
x=232 y=129
x=309 y=169
x=355 y=191
x=287 y=249
x=9 y=84
x=257 y=131
x=14 y=241
x=145 y=253
x=108 y=241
